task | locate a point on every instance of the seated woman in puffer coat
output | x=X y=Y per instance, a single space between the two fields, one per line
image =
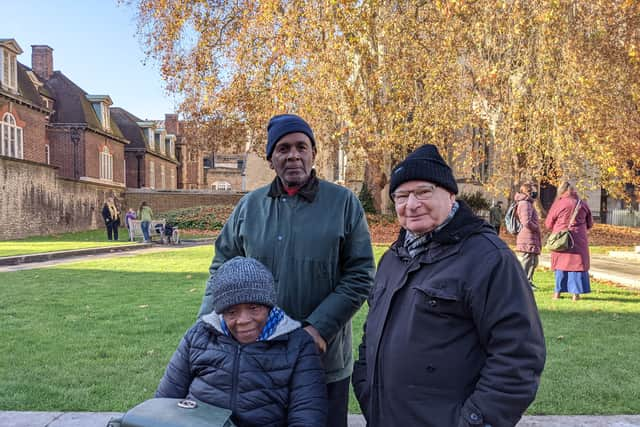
x=249 y=356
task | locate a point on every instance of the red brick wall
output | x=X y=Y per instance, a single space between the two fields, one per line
x=94 y=144
x=33 y=124
x=162 y=201
x=35 y=201
x=62 y=151
x=170 y=179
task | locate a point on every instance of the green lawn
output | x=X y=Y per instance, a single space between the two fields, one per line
x=96 y=336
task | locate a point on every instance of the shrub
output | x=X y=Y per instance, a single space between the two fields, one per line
x=199 y=217
x=476 y=201
x=366 y=199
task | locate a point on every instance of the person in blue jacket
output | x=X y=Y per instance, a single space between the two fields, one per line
x=249 y=356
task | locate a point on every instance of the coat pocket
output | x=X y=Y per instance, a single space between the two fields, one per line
x=444 y=298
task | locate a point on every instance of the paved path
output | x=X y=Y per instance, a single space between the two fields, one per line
x=100 y=419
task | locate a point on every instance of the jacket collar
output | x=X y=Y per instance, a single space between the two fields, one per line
x=308 y=191
x=463 y=224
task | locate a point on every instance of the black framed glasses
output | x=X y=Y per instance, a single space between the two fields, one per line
x=400 y=197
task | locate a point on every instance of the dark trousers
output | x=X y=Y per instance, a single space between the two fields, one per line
x=112 y=230
x=338 y=403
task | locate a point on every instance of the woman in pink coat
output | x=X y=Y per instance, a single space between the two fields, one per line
x=571 y=267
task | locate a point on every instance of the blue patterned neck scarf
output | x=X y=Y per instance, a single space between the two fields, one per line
x=275 y=316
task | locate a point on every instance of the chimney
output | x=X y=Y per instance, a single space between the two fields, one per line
x=171 y=123
x=42 y=60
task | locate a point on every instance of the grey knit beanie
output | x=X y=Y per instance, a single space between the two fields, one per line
x=424 y=164
x=242 y=281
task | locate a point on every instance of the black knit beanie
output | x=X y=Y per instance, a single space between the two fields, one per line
x=424 y=164
x=282 y=125
x=242 y=281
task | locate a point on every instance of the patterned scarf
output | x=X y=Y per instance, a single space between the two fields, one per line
x=275 y=316
x=416 y=244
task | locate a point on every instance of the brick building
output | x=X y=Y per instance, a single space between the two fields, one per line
x=151 y=153
x=25 y=108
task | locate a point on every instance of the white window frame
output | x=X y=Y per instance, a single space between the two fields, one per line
x=152 y=175
x=11 y=137
x=221 y=186
x=106 y=164
x=9 y=75
x=47 y=154
x=163 y=177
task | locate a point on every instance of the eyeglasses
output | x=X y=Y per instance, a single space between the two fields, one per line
x=421 y=193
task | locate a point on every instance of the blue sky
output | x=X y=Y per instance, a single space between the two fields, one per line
x=94 y=44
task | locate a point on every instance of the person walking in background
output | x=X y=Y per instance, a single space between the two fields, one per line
x=572 y=266
x=131 y=215
x=496 y=216
x=453 y=336
x=247 y=355
x=313 y=236
x=528 y=240
x=145 y=214
x=111 y=217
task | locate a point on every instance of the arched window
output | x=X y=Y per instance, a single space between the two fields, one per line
x=106 y=164
x=10 y=137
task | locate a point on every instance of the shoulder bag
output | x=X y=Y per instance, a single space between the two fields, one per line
x=562 y=241
x=165 y=412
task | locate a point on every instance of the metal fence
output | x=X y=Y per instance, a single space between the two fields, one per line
x=625 y=217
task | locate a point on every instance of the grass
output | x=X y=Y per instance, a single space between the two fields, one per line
x=96 y=336
x=78 y=240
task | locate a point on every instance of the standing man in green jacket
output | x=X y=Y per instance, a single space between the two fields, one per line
x=313 y=236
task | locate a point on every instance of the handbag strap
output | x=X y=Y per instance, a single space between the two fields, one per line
x=575 y=213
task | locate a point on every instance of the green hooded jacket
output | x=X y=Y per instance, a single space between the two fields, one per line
x=318 y=247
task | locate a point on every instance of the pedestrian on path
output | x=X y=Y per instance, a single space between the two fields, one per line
x=571 y=266
x=496 y=216
x=111 y=216
x=528 y=240
x=249 y=356
x=145 y=214
x=130 y=216
x=453 y=336
x=313 y=236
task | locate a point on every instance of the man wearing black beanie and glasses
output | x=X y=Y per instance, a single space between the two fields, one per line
x=313 y=236
x=453 y=336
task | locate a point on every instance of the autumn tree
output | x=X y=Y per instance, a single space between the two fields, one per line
x=535 y=89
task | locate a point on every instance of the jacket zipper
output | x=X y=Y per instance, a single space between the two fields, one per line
x=234 y=388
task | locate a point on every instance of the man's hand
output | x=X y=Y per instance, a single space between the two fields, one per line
x=321 y=344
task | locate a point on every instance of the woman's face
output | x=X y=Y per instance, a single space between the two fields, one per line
x=246 y=321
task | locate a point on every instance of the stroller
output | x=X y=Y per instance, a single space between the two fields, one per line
x=169 y=234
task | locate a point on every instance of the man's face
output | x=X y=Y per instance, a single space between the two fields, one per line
x=246 y=321
x=292 y=159
x=423 y=213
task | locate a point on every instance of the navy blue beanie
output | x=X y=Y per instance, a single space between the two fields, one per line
x=282 y=125
x=424 y=164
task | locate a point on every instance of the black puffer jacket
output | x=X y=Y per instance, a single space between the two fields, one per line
x=453 y=336
x=279 y=382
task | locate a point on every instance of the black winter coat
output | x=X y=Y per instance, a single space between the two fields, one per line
x=279 y=382
x=453 y=336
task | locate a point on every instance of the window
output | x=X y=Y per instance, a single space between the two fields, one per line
x=221 y=185
x=163 y=180
x=10 y=137
x=9 y=69
x=47 y=154
x=152 y=175
x=106 y=164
